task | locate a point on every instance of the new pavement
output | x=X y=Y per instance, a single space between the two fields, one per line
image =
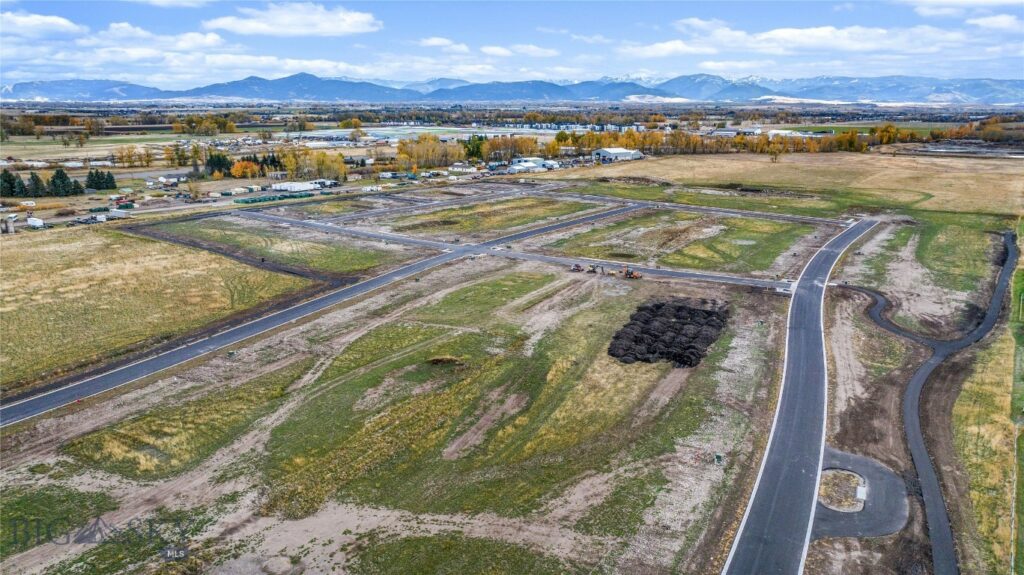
x=776 y=526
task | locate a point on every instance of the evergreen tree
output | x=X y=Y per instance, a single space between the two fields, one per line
x=109 y=183
x=36 y=187
x=60 y=184
x=76 y=188
x=20 y=191
x=7 y=183
x=90 y=180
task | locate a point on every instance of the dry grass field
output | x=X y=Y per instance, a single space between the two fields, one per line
x=984 y=437
x=78 y=295
x=488 y=216
x=956 y=184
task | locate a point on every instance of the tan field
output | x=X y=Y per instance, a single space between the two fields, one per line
x=957 y=184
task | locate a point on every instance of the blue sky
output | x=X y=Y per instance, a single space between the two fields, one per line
x=183 y=43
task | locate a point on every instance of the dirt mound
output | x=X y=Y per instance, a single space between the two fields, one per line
x=678 y=330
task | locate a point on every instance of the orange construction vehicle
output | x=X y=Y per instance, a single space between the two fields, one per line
x=631 y=274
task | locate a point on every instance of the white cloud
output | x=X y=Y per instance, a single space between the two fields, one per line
x=30 y=25
x=444 y=44
x=300 y=19
x=119 y=34
x=592 y=39
x=998 y=22
x=844 y=7
x=663 y=49
x=496 y=51
x=953 y=8
x=535 y=51
x=173 y=3
x=697 y=24
x=735 y=65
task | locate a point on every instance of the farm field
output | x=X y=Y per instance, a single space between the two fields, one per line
x=111 y=292
x=292 y=246
x=837 y=181
x=478 y=219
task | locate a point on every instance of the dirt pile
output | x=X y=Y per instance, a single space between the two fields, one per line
x=679 y=330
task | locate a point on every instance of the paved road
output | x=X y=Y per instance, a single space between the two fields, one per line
x=940 y=532
x=885 y=510
x=776 y=526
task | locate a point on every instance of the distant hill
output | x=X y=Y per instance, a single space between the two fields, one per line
x=435 y=84
x=78 y=91
x=503 y=92
x=696 y=87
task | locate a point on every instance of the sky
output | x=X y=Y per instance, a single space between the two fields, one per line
x=175 y=44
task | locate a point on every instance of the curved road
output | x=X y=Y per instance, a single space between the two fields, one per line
x=940 y=532
x=776 y=526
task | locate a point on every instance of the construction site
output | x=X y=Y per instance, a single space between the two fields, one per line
x=541 y=376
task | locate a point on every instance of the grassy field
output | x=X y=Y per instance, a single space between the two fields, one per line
x=333 y=208
x=621 y=513
x=488 y=216
x=378 y=428
x=919 y=128
x=839 y=182
x=30 y=517
x=76 y=296
x=168 y=440
x=132 y=547
x=746 y=245
x=453 y=554
x=634 y=239
x=984 y=438
x=278 y=246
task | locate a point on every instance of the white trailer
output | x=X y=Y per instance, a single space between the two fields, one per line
x=35 y=223
x=117 y=214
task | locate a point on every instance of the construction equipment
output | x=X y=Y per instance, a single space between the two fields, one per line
x=631 y=274
x=594 y=267
x=576 y=268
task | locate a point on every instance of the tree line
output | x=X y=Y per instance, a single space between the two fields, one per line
x=59 y=185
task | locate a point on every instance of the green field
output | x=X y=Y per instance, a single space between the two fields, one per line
x=453 y=554
x=381 y=428
x=833 y=203
x=919 y=128
x=673 y=239
x=278 y=246
x=333 y=208
x=488 y=216
x=621 y=513
x=32 y=516
x=746 y=245
x=634 y=239
x=168 y=440
x=91 y=293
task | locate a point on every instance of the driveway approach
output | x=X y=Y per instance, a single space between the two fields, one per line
x=776 y=526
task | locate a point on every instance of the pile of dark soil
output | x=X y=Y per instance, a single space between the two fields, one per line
x=679 y=330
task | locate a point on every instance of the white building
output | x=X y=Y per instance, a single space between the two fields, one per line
x=294 y=187
x=531 y=160
x=615 y=155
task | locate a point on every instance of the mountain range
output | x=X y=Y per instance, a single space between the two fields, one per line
x=694 y=87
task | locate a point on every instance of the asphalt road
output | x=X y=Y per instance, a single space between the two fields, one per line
x=776 y=526
x=885 y=510
x=940 y=532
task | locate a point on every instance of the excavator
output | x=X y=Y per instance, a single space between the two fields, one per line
x=631 y=274
x=576 y=268
x=594 y=267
